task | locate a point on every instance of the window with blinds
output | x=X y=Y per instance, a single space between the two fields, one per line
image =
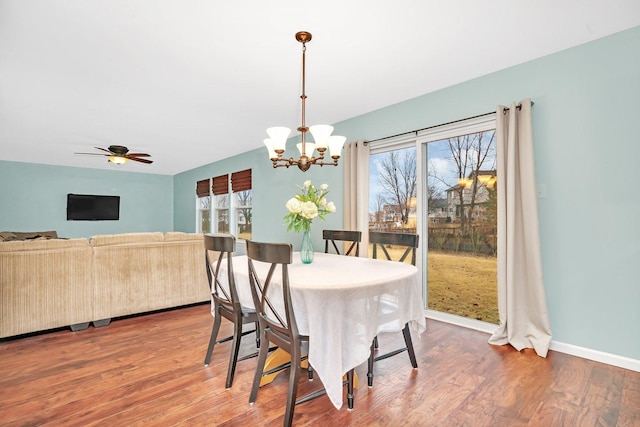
x=220 y=190
x=242 y=200
x=228 y=211
x=203 y=207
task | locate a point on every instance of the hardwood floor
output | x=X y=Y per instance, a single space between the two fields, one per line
x=148 y=370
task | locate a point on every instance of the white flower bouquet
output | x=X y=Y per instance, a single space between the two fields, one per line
x=309 y=204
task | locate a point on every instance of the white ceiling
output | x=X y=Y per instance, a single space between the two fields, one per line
x=194 y=81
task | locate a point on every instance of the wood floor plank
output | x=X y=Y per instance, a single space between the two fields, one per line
x=148 y=371
x=630 y=402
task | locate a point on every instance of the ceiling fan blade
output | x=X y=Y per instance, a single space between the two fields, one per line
x=135 y=159
x=138 y=155
x=94 y=154
x=103 y=149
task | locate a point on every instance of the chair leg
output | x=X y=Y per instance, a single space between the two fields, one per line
x=235 y=349
x=257 y=334
x=350 y=389
x=262 y=358
x=214 y=335
x=294 y=373
x=370 y=365
x=409 y=343
x=375 y=341
x=309 y=371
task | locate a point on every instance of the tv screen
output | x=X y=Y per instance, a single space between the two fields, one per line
x=87 y=207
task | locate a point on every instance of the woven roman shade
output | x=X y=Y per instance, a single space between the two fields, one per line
x=202 y=188
x=220 y=185
x=241 y=181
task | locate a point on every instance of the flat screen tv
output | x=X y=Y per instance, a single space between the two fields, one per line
x=88 y=207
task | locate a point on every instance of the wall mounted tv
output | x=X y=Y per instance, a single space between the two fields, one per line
x=88 y=207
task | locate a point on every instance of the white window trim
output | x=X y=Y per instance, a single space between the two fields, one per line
x=463 y=127
x=394 y=143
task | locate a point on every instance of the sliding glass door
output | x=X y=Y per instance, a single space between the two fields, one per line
x=461 y=223
x=440 y=183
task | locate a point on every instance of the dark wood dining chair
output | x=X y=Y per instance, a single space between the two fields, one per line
x=219 y=248
x=277 y=320
x=348 y=236
x=380 y=241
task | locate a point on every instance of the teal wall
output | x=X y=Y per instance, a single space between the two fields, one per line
x=586 y=151
x=33 y=197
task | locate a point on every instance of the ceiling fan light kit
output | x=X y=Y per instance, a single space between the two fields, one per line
x=118 y=160
x=276 y=143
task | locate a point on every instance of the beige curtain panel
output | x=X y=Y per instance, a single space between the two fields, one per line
x=522 y=306
x=356 y=191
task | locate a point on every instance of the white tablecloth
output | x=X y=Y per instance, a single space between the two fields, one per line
x=342 y=303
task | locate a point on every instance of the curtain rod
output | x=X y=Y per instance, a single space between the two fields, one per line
x=504 y=110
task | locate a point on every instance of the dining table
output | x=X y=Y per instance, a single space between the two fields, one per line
x=342 y=303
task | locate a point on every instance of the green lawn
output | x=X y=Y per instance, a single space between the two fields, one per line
x=464 y=285
x=461 y=284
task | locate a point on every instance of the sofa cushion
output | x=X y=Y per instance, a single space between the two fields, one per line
x=43 y=244
x=8 y=236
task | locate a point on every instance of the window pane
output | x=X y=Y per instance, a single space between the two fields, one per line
x=222 y=213
x=392 y=194
x=462 y=226
x=204 y=202
x=204 y=214
x=222 y=218
x=243 y=201
x=205 y=222
x=222 y=201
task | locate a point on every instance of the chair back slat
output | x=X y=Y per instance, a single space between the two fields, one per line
x=280 y=322
x=354 y=237
x=407 y=240
x=223 y=246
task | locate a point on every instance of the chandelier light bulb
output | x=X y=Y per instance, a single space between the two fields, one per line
x=269 y=144
x=321 y=134
x=309 y=148
x=335 y=145
x=279 y=135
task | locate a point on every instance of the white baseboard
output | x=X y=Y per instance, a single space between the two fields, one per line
x=573 y=350
x=595 y=355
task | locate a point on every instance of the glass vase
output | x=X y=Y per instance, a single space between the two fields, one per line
x=306 y=248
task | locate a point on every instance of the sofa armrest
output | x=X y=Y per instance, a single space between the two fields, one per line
x=45 y=284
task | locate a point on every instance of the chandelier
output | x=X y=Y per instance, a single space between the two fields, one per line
x=322 y=137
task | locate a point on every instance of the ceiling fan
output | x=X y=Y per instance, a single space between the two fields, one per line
x=119 y=154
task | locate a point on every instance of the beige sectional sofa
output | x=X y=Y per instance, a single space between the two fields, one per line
x=54 y=283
